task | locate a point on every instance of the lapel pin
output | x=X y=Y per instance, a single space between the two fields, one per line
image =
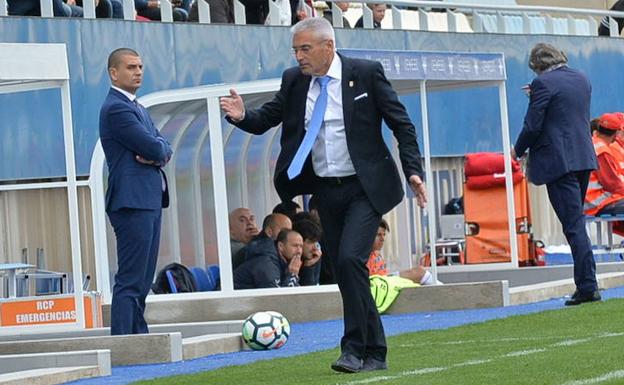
x=351 y=83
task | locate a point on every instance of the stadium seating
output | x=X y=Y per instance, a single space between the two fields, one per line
x=505 y=16
x=172 y=283
x=204 y=280
x=427 y=21
x=601 y=247
x=214 y=272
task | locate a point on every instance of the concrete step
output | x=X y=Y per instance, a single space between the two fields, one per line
x=20 y=362
x=523 y=276
x=555 y=289
x=451 y=297
x=201 y=346
x=194 y=329
x=312 y=306
x=189 y=329
x=49 y=376
x=125 y=350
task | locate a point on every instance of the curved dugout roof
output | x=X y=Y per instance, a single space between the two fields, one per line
x=216 y=167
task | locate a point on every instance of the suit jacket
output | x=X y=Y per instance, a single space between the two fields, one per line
x=126 y=130
x=371 y=158
x=556 y=126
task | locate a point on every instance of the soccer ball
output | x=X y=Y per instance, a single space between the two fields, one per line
x=266 y=330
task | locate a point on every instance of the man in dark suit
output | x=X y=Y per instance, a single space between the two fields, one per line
x=331 y=108
x=137 y=189
x=561 y=155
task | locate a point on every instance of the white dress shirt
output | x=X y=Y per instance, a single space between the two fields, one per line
x=125 y=93
x=330 y=155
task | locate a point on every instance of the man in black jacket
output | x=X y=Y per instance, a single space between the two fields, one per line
x=263 y=266
x=311 y=233
x=331 y=108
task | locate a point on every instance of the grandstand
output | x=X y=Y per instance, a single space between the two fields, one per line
x=51 y=213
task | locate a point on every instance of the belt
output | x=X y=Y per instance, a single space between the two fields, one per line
x=338 y=180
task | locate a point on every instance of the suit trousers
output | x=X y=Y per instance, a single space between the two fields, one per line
x=567 y=195
x=349 y=226
x=138 y=239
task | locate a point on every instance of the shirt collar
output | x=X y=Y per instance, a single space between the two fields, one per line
x=555 y=67
x=335 y=69
x=125 y=93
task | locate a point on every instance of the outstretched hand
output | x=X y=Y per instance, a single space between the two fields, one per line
x=418 y=187
x=233 y=106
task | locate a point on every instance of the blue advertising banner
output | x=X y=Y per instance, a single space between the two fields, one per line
x=430 y=65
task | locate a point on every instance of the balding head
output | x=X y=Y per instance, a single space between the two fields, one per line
x=274 y=223
x=242 y=225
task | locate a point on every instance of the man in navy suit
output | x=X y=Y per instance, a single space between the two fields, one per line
x=561 y=155
x=331 y=108
x=137 y=189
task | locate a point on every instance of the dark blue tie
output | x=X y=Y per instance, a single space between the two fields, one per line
x=313 y=129
x=139 y=107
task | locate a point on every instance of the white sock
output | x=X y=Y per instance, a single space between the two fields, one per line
x=427 y=279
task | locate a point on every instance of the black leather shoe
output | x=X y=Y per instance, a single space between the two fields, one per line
x=370 y=364
x=347 y=363
x=578 y=298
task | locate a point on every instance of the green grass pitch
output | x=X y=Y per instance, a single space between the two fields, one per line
x=583 y=345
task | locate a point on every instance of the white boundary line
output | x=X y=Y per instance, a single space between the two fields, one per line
x=490 y=340
x=605 y=377
x=564 y=343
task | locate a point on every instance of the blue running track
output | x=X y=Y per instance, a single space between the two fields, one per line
x=324 y=335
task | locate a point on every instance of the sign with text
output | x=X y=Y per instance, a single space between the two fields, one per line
x=50 y=310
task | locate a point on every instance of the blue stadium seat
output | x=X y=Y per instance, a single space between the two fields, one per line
x=205 y=282
x=172 y=282
x=214 y=271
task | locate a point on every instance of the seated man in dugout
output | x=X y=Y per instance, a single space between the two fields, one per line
x=377 y=264
x=605 y=192
x=311 y=232
x=266 y=265
x=288 y=208
x=243 y=229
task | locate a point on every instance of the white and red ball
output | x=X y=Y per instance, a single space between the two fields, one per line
x=266 y=330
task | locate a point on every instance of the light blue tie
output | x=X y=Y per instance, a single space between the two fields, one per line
x=313 y=129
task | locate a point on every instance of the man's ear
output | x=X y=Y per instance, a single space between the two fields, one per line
x=112 y=73
x=331 y=44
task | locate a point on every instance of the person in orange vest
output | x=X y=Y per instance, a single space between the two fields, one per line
x=618 y=143
x=605 y=192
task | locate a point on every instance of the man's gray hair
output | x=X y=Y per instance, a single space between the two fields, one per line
x=543 y=56
x=319 y=25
